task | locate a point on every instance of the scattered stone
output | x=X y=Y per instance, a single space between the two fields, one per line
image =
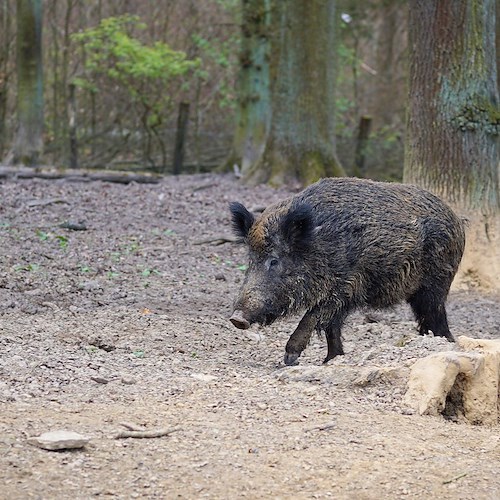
x=59 y=440
x=102 y=343
x=203 y=377
x=220 y=277
x=74 y=226
x=90 y=286
x=128 y=380
x=100 y=380
x=257 y=337
x=373 y=374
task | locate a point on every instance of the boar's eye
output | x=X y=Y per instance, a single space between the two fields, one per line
x=272 y=262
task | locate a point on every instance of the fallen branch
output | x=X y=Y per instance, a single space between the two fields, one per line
x=146 y=434
x=78 y=176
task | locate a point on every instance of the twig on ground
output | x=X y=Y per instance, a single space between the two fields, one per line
x=155 y=433
x=133 y=427
x=218 y=240
x=204 y=186
x=456 y=478
x=43 y=203
x=325 y=427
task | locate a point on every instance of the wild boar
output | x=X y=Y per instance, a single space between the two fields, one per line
x=343 y=244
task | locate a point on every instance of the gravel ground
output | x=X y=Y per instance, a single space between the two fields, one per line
x=125 y=322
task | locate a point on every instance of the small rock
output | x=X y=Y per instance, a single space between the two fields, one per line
x=407 y=411
x=254 y=336
x=90 y=286
x=59 y=440
x=220 y=277
x=128 y=380
x=203 y=377
x=100 y=380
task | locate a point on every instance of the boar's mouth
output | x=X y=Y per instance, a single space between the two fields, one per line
x=239 y=320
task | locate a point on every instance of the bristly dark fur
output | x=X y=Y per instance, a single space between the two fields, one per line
x=242 y=219
x=297 y=226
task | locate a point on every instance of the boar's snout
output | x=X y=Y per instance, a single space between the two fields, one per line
x=239 y=321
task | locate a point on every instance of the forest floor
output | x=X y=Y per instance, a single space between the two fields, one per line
x=127 y=322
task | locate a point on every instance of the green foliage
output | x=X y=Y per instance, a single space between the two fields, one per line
x=110 y=50
x=113 y=54
x=148 y=271
x=31 y=267
x=42 y=235
x=220 y=54
x=63 y=241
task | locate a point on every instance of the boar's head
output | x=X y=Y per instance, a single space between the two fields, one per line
x=279 y=242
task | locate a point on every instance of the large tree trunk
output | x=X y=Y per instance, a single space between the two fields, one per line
x=253 y=86
x=300 y=145
x=28 y=143
x=453 y=117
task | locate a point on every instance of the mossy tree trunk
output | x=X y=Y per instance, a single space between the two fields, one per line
x=28 y=143
x=300 y=143
x=453 y=121
x=253 y=86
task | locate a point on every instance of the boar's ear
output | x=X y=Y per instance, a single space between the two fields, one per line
x=242 y=219
x=297 y=226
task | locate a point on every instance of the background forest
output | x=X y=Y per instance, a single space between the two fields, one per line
x=120 y=71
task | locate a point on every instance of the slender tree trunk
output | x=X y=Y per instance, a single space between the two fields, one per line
x=453 y=123
x=73 y=144
x=28 y=143
x=300 y=146
x=64 y=84
x=54 y=59
x=388 y=97
x=5 y=46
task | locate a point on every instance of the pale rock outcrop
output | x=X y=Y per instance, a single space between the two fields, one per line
x=463 y=384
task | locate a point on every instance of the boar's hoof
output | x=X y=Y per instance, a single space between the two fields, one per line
x=239 y=321
x=291 y=358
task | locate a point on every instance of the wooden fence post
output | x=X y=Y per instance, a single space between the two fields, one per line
x=180 y=137
x=365 y=123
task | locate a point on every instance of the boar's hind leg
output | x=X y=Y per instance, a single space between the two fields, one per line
x=333 y=335
x=430 y=313
x=300 y=337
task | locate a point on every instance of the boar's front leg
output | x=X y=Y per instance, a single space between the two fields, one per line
x=300 y=337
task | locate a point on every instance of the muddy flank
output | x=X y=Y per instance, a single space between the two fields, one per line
x=121 y=321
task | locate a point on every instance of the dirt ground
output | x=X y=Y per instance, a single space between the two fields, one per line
x=126 y=322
